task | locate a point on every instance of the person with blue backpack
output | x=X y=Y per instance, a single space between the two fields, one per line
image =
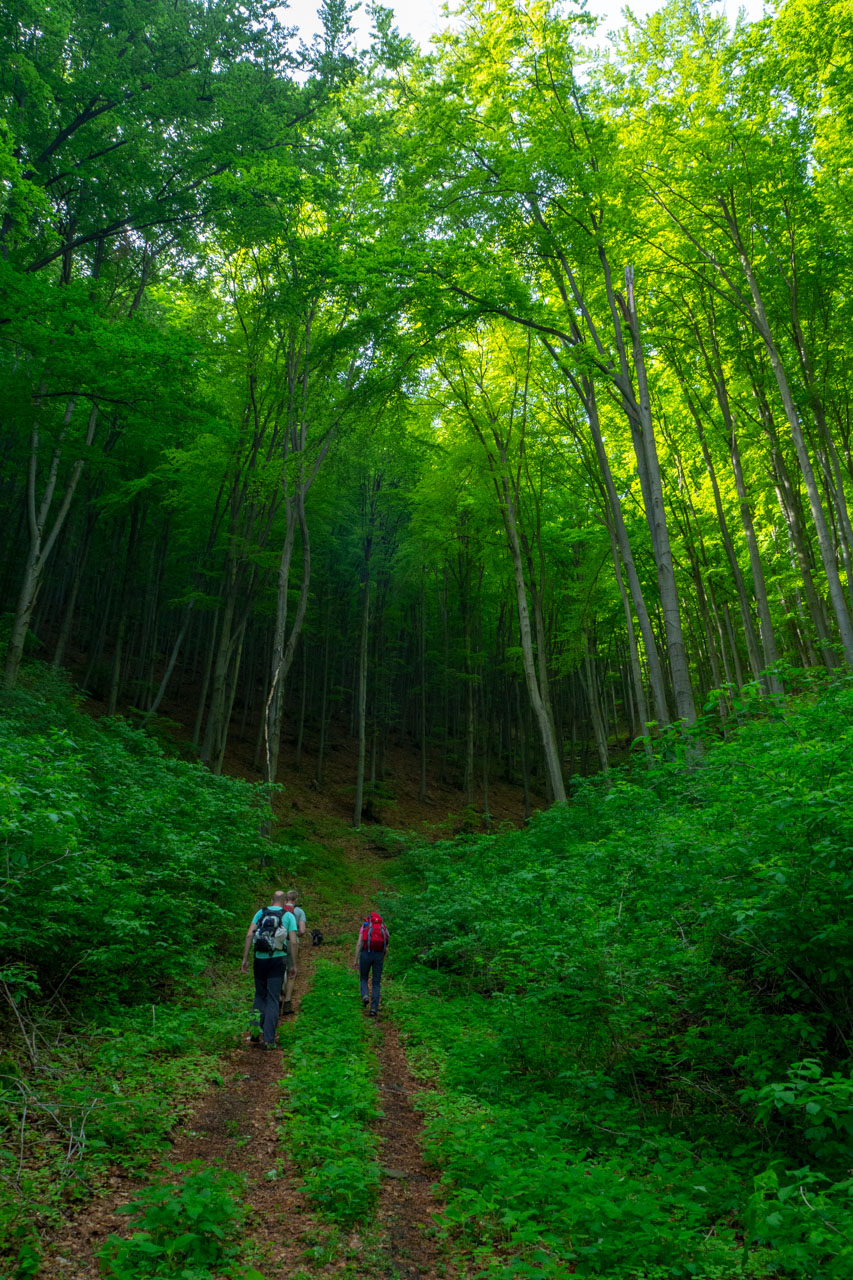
x=370 y=952
x=274 y=932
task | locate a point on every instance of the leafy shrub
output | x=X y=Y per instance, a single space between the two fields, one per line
x=123 y=866
x=188 y=1229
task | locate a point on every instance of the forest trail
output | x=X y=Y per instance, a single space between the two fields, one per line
x=235 y=1126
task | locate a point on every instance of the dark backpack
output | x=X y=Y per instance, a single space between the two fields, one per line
x=374 y=935
x=267 y=927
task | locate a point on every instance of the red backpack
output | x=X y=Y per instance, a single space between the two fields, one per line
x=374 y=935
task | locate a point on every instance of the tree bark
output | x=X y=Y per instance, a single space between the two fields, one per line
x=42 y=538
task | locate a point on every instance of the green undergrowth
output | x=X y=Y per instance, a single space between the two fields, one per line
x=638 y=1011
x=120 y=865
x=126 y=877
x=186 y=1227
x=102 y=1101
x=541 y=1180
x=330 y=1098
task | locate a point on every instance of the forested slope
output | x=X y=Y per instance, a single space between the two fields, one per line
x=126 y=876
x=493 y=402
x=634 y=1013
x=639 y=1012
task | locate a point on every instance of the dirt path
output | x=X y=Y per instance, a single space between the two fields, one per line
x=406 y=1200
x=407 y=1245
x=235 y=1126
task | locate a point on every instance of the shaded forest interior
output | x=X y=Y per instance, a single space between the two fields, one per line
x=433 y=404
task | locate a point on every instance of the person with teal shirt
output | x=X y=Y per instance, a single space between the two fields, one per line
x=269 y=965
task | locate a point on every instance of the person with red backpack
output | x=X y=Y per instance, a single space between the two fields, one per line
x=370 y=951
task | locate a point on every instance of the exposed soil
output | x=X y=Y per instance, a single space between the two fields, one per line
x=406 y=1202
x=233 y=1126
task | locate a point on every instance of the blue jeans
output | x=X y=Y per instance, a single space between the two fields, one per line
x=367 y=961
x=269 y=975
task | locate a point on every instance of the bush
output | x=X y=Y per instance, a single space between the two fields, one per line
x=123 y=866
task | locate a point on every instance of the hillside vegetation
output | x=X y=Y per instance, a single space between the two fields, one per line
x=639 y=1009
x=125 y=874
x=636 y=1009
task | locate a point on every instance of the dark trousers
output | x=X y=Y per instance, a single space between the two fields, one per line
x=269 y=976
x=371 y=961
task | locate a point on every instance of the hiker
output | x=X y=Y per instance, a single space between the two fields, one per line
x=292 y=899
x=274 y=932
x=370 y=951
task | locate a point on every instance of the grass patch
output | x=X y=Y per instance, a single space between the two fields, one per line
x=547 y=1183
x=637 y=1012
x=331 y=1099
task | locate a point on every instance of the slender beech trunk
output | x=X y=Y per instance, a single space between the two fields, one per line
x=300 y=732
x=222 y=661
x=768 y=634
x=283 y=651
x=714 y=366
x=423 y=698
x=797 y=536
x=170 y=666
x=755 y=657
x=639 y=415
x=124 y=610
x=827 y=552
x=205 y=680
x=585 y=388
x=42 y=534
x=321 y=746
x=361 y=689
x=589 y=682
x=542 y=713
x=639 y=692
x=370 y=512
x=80 y=559
x=233 y=678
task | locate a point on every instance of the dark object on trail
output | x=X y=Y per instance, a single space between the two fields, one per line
x=316 y=938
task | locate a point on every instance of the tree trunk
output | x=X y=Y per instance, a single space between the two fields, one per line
x=590 y=686
x=827 y=552
x=42 y=539
x=541 y=712
x=361 y=695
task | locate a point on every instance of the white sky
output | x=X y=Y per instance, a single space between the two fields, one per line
x=422 y=18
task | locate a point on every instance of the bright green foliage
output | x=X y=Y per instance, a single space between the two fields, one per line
x=188 y=1229
x=331 y=1099
x=646 y=1006
x=107 y=1098
x=123 y=867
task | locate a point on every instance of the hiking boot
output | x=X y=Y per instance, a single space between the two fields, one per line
x=267 y=1045
x=365 y=1001
x=287 y=1006
x=374 y=1013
